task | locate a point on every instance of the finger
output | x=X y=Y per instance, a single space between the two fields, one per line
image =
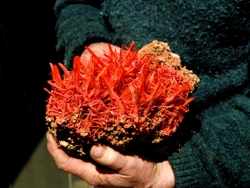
x=108 y=157
x=99 y=49
x=84 y=170
x=89 y=172
x=60 y=157
x=63 y=161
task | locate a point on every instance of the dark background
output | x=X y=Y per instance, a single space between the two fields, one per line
x=27 y=45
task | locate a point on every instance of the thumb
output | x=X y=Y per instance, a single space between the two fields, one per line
x=108 y=157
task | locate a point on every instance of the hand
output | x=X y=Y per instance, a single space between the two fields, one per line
x=113 y=169
x=99 y=49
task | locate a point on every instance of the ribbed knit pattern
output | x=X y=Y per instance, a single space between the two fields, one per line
x=219 y=152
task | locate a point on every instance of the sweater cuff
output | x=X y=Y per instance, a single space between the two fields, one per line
x=187 y=167
x=79 y=25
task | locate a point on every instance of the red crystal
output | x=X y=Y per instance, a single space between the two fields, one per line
x=119 y=92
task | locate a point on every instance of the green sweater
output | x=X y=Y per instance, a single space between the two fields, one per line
x=213 y=40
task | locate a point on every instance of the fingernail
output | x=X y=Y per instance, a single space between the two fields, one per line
x=97 y=151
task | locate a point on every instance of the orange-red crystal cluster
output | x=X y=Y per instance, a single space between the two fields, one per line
x=121 y=90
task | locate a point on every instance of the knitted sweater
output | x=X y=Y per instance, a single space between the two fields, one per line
x=213 y=40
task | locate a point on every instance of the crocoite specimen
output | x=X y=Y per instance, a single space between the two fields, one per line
x=119 y=97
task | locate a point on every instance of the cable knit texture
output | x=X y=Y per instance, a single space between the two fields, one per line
x=213 y=39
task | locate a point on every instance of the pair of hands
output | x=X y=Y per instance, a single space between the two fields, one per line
x=112 y=169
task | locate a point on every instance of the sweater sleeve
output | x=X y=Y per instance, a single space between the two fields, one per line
x=218 y=154
x=79 y=23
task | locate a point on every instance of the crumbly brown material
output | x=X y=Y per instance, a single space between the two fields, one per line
x=162 y=55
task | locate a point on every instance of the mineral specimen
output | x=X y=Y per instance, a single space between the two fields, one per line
x=134 y=96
